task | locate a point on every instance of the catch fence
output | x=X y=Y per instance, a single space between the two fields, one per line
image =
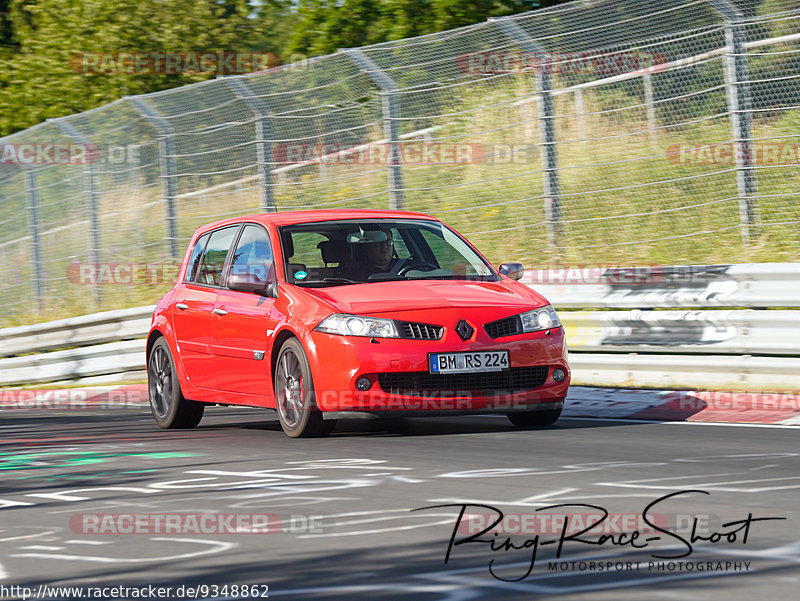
x=608 y=132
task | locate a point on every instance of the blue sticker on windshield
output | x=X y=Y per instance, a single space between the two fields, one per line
x=299 y=275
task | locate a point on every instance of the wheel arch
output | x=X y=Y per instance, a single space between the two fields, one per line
x=154 y=335
x=158 y=332
x=281 y=337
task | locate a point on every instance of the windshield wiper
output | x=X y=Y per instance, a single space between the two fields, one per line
x=331 y=281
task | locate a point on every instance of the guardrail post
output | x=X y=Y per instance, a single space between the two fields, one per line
x=169 y=172
x=544 y=86
x=92 y=198
x=31 y=193
x=390 y=103
x=739 y=107
x=263 y=137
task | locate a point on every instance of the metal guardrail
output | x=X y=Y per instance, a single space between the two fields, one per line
x=120 y=360
x=699 y=372
x=108 y=326
x=742 y=332
x=740 y=348
x=752 y=285
x=107 y=344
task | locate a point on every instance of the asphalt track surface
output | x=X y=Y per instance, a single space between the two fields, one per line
x=341 y=508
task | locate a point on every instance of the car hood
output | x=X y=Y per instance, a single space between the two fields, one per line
x=410 y=295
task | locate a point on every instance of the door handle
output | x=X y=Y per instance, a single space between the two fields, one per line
x=181 y=306
x=220 y=311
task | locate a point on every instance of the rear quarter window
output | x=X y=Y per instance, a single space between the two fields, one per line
x=194 y=259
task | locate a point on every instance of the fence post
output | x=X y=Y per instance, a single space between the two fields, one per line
x=738 y=89
x=390 y=103
x=92 y=198
x=264 y=157
x=166 y=161
x=647 y=80
x=32 y=195
x=544 y=85
x=580 y=111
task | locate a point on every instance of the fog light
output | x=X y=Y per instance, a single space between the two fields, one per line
x=559 y=374
x=363 y=384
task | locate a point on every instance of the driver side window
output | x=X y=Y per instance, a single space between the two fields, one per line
x=253 y=254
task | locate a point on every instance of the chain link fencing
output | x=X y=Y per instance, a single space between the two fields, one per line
x=600 y=132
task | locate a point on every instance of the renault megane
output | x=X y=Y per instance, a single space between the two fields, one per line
x=322 y=314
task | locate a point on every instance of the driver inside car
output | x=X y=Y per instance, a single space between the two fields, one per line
x=378 y=250
x=380 y=254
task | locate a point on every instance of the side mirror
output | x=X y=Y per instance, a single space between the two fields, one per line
x=247 y=282
x=515 y=271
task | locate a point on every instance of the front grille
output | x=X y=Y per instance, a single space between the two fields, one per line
x=424 y=384
x=419 y=331
x=504 y=327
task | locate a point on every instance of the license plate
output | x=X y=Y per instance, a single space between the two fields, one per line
x=459 y=363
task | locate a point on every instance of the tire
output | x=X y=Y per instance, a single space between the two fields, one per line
x=170 y=408
x=528 y=419
x=294 y=394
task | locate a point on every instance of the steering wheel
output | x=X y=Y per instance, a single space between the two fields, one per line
x=405 y=268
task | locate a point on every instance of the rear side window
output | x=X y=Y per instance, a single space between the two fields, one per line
x=216 y=251
x=253 y=254
x=306 y=249
x=194 y=260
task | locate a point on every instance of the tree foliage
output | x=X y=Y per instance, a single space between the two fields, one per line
x=40 y=39
x=324 y=26
x=42 y=79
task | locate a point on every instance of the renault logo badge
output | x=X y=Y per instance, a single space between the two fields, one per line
x=464 y=330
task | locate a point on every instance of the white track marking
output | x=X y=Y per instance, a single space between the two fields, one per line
x=214 y=547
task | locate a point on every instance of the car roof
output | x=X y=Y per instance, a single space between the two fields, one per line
x=281 y=218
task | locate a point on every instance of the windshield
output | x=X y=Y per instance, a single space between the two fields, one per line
x=337 y=253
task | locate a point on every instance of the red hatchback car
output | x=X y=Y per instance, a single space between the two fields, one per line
x=320 y=314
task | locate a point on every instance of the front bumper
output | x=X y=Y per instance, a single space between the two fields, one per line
x=339 y=361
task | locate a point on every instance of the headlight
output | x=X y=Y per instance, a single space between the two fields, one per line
x=543 y=318
x=355 y=325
